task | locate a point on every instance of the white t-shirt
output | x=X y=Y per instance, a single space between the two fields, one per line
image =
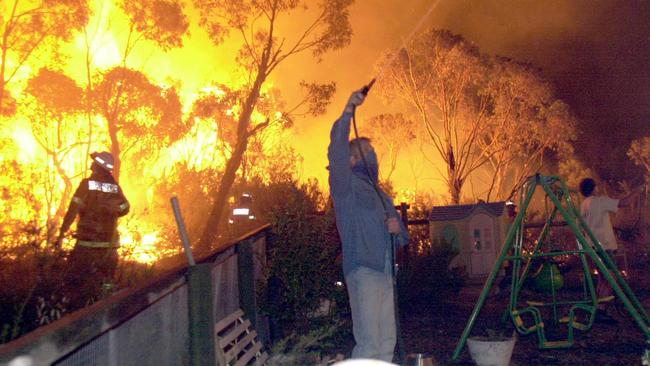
x=595 y=211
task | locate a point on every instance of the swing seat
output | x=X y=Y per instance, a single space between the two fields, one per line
x=519 y=321
x=571 y=319
x=556 y=344
x=606 y=299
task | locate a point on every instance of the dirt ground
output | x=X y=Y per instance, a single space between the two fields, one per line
x=436 y=331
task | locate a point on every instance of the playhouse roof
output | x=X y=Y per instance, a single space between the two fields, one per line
x=458 y=212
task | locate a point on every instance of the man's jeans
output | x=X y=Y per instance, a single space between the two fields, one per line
x=373 y=313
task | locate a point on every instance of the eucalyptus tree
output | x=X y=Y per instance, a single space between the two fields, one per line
x=266 y=43
x=30 y=29
x=441 y=77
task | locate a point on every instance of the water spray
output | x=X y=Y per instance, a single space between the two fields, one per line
x=414 y=30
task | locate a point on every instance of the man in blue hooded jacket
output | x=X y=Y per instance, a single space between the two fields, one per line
x=367 y=228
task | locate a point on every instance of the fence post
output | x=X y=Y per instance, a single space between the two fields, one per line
x=200 y=291
x=403 y=210
x=246 y=274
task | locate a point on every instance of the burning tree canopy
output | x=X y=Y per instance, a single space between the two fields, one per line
x=30 y=28
x=478 y=111
x=53 y=110
x=87 y=86
x=141 y=117
x=265 y=47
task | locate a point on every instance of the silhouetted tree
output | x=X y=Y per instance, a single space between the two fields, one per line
x=264 y=48
x=639 y=152
x=526 y=122
x=159 y=21
x=141 y=117
x=54 y=112
x=29 y=27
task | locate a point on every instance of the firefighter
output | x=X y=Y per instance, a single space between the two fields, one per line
x=99 y=202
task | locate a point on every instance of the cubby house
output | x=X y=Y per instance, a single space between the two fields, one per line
x=477 y=231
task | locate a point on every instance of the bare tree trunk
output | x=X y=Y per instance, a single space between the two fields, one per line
x=89 y=107
x=2 y=77
x=454 y=192
x=453 y=180
x=221 y=194
x=115 y=149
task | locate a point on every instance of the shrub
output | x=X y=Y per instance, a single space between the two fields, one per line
x=303 y=270
x=426 y=279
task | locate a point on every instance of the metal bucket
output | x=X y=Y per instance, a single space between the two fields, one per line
x=420 y=359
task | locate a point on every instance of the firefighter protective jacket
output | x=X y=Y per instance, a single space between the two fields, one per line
x=99 y=201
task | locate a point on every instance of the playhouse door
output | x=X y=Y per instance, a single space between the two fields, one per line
x=481 y=234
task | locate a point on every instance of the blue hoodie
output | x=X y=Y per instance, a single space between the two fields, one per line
x=360 y=216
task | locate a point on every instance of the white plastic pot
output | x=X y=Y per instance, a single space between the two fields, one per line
x=486 y=352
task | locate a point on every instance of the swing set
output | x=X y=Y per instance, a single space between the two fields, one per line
x=577 y=313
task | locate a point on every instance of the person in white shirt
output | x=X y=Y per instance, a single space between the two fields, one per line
x=595 y=210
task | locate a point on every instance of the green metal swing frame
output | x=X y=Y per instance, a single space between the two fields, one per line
x=582 y=312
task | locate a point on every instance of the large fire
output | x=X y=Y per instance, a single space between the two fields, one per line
x=50 y=143
x=55 y=156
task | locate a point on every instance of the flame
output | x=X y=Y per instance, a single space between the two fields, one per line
x=143 y=250
x=23 y=137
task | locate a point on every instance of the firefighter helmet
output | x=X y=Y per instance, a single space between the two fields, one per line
x=103 y=159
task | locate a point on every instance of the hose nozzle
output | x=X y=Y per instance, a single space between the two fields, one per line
x=367 y=87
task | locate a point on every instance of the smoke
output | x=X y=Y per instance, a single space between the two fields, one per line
x=595 y=52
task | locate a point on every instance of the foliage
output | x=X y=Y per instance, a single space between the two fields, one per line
x=54 y=110
x=160 y=21
x=302 y=255
x=426 y=279
x=478 y=111
x=639 y=152
x=440 y=75
x=526 y=122
x=330 y=29
x=32 y=286
x=140 y=116
x=221 y=106
x=31 y=26
x=301 y=350
x=194 y=199
x=30 y=282
x=424 y=276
